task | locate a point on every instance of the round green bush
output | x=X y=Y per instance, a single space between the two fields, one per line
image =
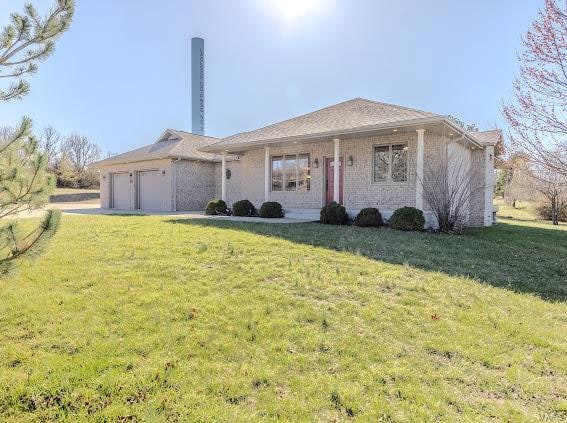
x=368 y=217
x=243 y=208
x=407 y=219
x=215 y=207
x=334 y=214
x=271 y=210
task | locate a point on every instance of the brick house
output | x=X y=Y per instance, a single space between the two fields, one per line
x=384 y=155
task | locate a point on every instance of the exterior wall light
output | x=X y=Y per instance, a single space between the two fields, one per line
x=163 y=172
x=315 y=163
x=350 y=161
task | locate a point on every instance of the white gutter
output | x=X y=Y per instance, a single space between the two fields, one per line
x=464 y=133
x=219 y=147
x=100 y=164
x=174 y=183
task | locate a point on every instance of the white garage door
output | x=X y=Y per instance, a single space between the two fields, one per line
x=121 y=191
x=150 y=190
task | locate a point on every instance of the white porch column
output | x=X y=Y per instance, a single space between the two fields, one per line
x=336 y=172
x=267 y=166
x=419 y=169
x=223 y=177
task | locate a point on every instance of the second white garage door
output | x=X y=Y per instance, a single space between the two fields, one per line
x=150 y=193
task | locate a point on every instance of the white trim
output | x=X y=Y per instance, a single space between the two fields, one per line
x=223 y=177
x=267 y=174
x=337 y=172
x=174 y=185
x=283 y=157
x=323 y=136
x=389 y=180
x=419 y=169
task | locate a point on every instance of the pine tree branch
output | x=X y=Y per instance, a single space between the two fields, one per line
x=29 y=246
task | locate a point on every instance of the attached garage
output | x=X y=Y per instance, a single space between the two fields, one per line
x=168 y=175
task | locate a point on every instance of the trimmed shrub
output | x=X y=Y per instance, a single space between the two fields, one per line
x=243 y=208
x=368 y=217
x=407 y=219
x=215 y=207
x=271 y=210
x=544 y=211
x=334 y=214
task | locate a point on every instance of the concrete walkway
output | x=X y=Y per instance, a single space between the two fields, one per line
x=94 y=209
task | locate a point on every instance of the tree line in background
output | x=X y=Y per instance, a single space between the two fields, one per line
x=68 y=158
x=536 y=167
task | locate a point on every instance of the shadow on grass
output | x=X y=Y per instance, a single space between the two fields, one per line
x=519 y=219
x=519 y=258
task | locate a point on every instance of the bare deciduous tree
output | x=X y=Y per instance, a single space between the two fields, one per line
x=449 y=185
x=50 y=144
x=538 y=117
x=551 y=184
x=519 y=184
x=81 y=151
x=470 y=127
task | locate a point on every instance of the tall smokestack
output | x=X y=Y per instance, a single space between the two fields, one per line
x=198 y=86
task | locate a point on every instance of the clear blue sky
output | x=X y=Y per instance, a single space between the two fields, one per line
x=121 y=74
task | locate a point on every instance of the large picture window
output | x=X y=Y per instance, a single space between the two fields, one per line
x=391 y=163
x=291 y=172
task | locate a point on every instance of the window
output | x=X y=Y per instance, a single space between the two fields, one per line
x=277 y=173
x=381 y=163
x=291 y=173
x=399 y=163
x=391 y=163
x=303 y=173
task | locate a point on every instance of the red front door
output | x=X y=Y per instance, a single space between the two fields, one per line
x=330 y=179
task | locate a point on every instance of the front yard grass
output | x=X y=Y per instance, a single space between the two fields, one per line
x=153 y=319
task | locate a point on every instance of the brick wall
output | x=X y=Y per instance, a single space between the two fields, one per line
x=195 y=184
x=359 y=189
x=483 y=187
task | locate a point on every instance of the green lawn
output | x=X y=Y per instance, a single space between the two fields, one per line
x=153 y=319
x=524 y=210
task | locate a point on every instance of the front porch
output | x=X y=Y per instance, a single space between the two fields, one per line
x=301 y=175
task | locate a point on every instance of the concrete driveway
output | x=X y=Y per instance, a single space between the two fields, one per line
x=89 y=208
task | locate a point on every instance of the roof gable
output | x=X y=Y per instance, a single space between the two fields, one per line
x=169 y=135
x=172 y=144
x=491 y=137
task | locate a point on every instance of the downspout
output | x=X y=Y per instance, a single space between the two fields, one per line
x=174 y=176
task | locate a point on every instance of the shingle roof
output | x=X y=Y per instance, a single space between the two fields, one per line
x=491 y=137
x=174 y=144
x=349 y=115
